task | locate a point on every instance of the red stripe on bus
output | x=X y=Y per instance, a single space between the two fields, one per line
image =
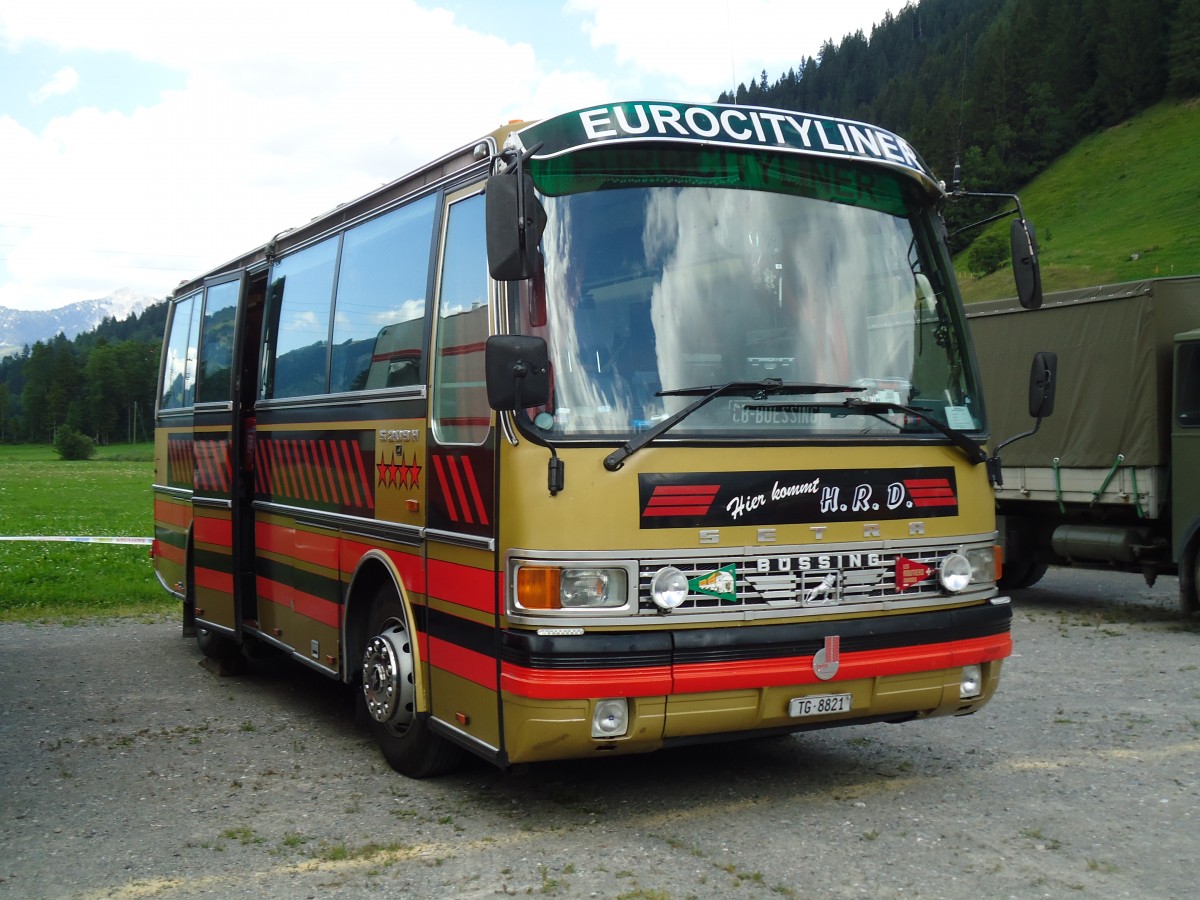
x=408 y=565
x=327 y=612
x=477 y=667
x=169 y=552
x=212 y=580
x=456 y=480
x=469 y=471
x=462 y=585
x=169 y=513
x=749 y=674
x=344 y=466
x=218 y=532
x=364 y=480
x=707 y=491
x=573 y=684
x=935 y=501
x=445 y=488
x=660 y=511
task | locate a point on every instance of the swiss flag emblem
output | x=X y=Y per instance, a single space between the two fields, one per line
x=910 y=572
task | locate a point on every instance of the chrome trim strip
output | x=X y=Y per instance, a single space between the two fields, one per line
x=176 y=492
x=462 y=540
x=397 y=532
x=211 y=502
x=345 y=398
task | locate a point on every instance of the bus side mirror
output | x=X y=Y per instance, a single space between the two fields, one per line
x=517 y=368
x=515 y=222
x=1026 y=269
x=1043 y=377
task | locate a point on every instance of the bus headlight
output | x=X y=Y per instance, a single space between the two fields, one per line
x=554 y=587
x=668 y=588
x=983 y=562
x=955 y=573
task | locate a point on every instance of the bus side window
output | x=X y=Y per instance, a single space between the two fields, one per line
x=214 y=382
x=379 y=314
x=461 y=414
x=296 y=339
x=179 y=365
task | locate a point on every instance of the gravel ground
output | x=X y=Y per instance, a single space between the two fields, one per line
x=128 y=770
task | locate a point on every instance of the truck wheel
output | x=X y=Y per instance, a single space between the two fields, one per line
x=389 y=694
x=1189 y=580
x=1022 y=574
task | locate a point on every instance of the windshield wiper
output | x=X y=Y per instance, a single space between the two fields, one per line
x=970 y=447
x=759 y=390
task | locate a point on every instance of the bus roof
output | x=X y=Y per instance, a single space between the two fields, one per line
x=616 y=123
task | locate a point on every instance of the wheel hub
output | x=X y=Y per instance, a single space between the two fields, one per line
x=387 y=674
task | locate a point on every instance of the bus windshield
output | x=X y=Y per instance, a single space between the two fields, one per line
x=668 y=272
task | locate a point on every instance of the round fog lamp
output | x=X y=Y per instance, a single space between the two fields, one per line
x=955 y=573
x=668 y=587
x=610 y=718
x=972 y=682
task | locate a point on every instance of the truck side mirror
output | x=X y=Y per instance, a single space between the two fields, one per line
x=1043 y=377
x=517 y=368
x=1026 y=269
x=515 y=222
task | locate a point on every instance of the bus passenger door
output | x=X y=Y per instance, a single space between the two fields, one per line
x=214 y=488
x=462 y=615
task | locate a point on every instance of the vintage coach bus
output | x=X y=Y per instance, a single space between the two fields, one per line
x=642 y=425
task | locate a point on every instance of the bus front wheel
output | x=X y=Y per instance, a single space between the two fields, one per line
x=389 y=695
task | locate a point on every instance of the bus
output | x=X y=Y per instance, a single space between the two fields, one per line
x=643 y=425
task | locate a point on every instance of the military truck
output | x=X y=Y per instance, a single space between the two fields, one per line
x=1113 y=480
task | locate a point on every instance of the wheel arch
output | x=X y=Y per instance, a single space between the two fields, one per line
x=375 y=570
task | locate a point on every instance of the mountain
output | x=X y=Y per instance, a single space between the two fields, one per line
x=19 y=327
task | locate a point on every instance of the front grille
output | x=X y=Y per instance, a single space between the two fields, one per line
x=798 y=580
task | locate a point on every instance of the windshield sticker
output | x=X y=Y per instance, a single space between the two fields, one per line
x=734 y=125
x=688 y=500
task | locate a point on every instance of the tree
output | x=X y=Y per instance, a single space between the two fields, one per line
x=1183 y=62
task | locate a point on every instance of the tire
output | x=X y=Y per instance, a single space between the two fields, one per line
x=212 y=644
x=1189 y=580
x=215 y=645
x=1020 y=575
x=388 y=694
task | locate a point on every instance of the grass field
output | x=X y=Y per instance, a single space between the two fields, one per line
x=42 y=495
x=1122 y=205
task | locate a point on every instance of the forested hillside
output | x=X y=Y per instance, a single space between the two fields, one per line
x=102 y=383
x=1002 y=86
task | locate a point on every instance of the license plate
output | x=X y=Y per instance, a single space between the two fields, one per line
x=818 y=705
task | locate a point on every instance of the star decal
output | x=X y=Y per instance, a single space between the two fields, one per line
x=399 y=474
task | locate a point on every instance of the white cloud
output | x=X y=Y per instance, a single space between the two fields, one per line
x=63 y=82
x=288 y=109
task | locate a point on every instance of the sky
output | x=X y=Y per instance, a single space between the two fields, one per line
x=143 y=142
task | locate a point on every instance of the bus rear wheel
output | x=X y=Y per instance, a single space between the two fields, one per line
x=389 y=695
